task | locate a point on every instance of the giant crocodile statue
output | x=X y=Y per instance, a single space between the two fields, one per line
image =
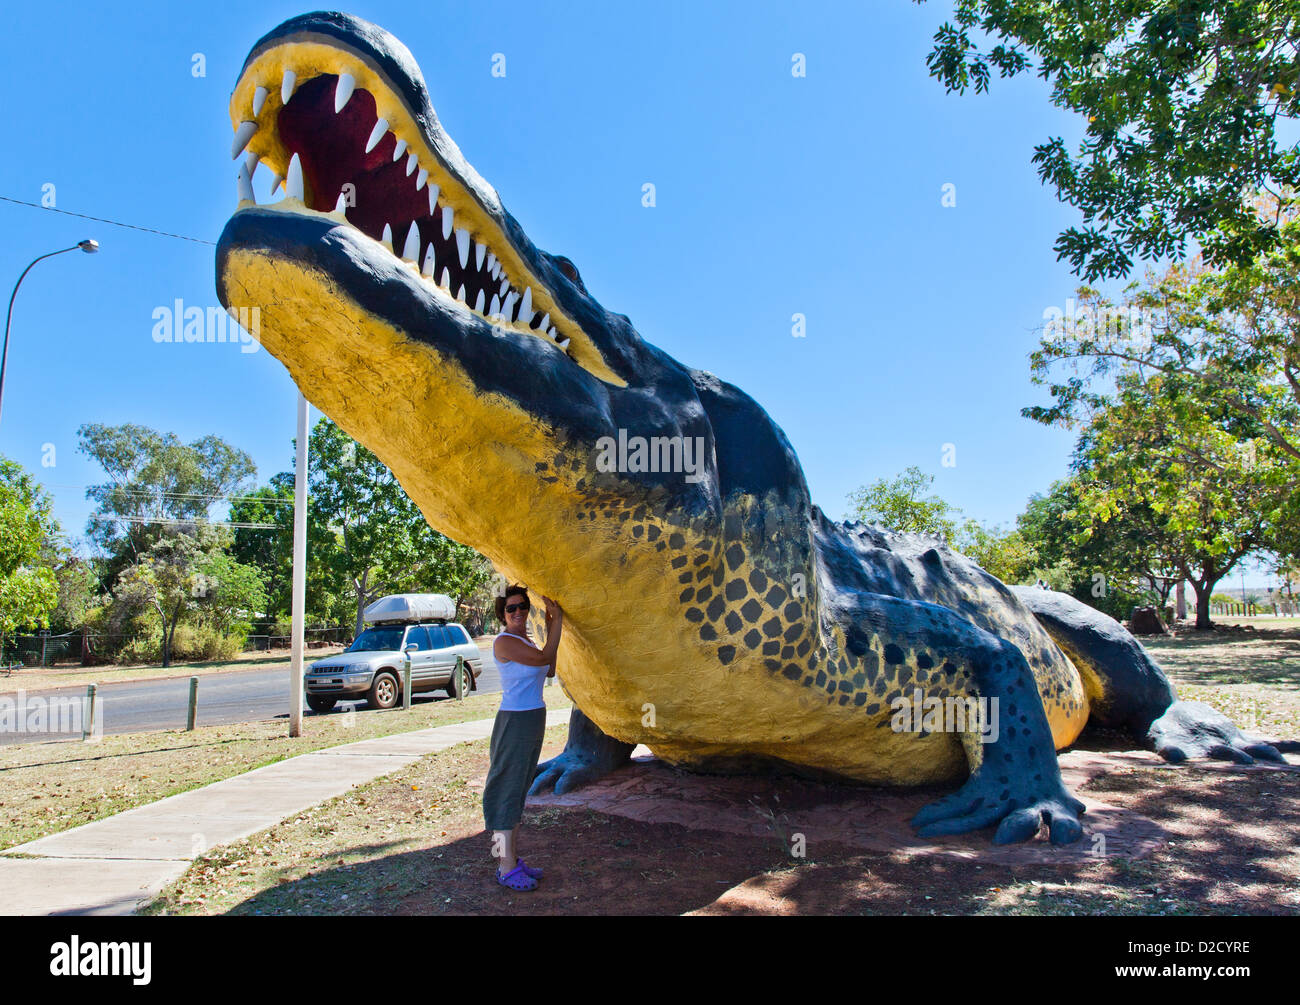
x=712 y=611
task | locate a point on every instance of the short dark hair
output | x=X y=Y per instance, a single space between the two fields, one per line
x=511 y=591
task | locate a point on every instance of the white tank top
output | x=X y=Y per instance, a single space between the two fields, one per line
x=521 y=685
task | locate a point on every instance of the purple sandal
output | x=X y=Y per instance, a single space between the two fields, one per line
x=529 y=871
x=517 y=879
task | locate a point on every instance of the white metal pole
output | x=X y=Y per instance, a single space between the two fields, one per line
x=299 y=569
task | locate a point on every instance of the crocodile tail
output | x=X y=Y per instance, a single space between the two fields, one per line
x=1126 y=688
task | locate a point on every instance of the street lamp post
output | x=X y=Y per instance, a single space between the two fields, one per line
x=89 y=246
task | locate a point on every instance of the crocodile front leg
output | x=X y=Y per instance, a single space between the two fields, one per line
x=588 y=755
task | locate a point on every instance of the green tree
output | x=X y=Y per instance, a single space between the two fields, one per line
x=900 y=504
x=228 y=594
x=78 y=593
x=269 y=549
x=1181 y=98
x=1006 y=554
x=28 y=532
x=1112 y=565
x=156 y=483
x=378 y=540
x=1153 y=459
x=171 y=579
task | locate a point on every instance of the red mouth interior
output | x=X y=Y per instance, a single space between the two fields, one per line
x=331 y=147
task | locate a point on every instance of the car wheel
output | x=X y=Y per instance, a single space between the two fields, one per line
x=462 y=680
x=321 y=702
x=384 y=692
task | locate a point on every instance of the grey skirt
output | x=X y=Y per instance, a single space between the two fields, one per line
x=515 y=749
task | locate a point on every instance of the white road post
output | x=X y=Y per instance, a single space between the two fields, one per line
x=299 y=569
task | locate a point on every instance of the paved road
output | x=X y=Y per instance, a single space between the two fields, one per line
x=237 y=696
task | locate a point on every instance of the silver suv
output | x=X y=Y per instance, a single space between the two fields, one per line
x=372 y=666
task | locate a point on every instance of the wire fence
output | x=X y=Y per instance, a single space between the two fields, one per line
x=86 y=648
x=1282 y=609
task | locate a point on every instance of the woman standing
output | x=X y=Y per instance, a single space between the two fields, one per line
x=518 y=730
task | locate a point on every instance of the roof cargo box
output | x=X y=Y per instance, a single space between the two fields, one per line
x=411 y=607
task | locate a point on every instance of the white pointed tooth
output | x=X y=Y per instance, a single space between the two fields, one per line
x=244 y=185
x=526 y=307
x=343 y=90
x=460 y=293
x=293 y=183
x=376 y=134
x=505 y=285
x=251 y=160
x=495 y=307
x=287 y=86
x=399 y=150
x=242 y=135
x=478 y=302
x=421 y=178
x=480 y=253
x=492 y=264
x=447 y=217
x=508 y=305
x=341 y=207
x=546 y=323
x=388 y=236
x=462 y=245
x=554 y=334
x=259 y=99
x=564 y=343
x=445 y=279
x=412 y=162
x=412 y=250
x=433 y=199
x=430 y=263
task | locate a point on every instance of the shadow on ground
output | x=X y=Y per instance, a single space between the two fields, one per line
x=1231 y=848
x=1264 y=656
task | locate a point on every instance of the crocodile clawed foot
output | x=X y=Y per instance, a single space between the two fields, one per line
x=565 y=772
x=1193 y=729
x=1017 y=808
x=588 y=755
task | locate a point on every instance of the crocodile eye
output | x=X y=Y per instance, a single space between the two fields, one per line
x=570 y=271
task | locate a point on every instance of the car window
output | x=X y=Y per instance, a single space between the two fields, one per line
x=386 y=638
x=439 y=635
x=459 y=635
x=418 y=636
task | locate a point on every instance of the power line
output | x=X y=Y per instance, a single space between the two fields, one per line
x=175 y=521
x=147 y=494
x=115 y=223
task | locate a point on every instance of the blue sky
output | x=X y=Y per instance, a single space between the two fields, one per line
x=775 y=195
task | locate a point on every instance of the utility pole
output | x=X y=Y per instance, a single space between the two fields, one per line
x=299 y=569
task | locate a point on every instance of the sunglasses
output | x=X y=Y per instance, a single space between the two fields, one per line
x=511 y=608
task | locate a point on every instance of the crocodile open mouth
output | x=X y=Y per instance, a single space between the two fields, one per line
x=344 y=142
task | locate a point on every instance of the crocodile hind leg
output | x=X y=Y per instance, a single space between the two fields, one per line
x=1128 y=690
x=1014 y=779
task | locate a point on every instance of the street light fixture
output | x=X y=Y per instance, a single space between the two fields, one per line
x=89 y=246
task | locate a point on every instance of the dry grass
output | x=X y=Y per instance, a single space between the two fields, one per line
x=49 y=787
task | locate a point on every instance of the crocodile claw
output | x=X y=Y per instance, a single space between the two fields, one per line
x=1017 y=808
x=1193 y=729
x=566 y=771
x=588 y=755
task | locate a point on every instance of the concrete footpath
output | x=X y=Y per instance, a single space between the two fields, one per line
x=115 y=865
